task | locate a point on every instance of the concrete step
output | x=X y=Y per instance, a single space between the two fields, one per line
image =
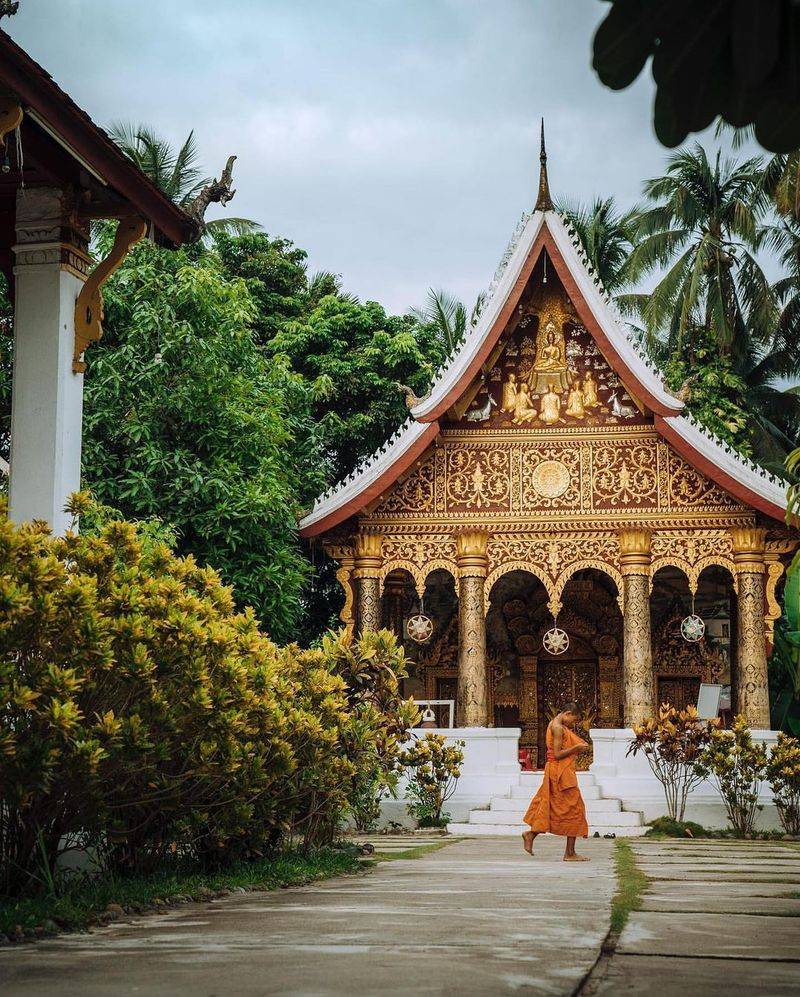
x=535 y=778
x=588 y=792
x=598 y=817
x=510 y=830
x=517 y=805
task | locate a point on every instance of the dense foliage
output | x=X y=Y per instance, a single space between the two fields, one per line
x=142 y=715
x=737 y=61
x=186 y=420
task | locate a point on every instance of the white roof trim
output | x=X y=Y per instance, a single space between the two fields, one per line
x=731 y=462
x=452 y=372
x=756 y=479
x=592 y=290
x=606 y=313
x=368 y=471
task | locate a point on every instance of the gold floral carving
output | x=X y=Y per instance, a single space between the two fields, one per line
x=692 y=552
x=688 y=488
x=419 y=555
x=478 y=478
x=625 y=476
x=552 y=474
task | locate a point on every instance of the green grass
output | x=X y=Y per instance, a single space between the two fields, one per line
x=414 y=852
x=83 y=903
x=631 y=884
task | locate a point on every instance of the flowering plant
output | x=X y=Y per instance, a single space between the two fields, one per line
x=434 y=768
x=738 y=766
x=672 y=743
x=783 y=772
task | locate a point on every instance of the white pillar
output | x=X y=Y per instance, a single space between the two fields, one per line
x=47 y=396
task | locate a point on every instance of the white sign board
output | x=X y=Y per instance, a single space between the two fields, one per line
x=708 y=701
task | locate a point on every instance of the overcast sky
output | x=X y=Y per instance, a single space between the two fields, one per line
x=395 y=140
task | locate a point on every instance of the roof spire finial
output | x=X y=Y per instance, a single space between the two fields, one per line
x=543 y=201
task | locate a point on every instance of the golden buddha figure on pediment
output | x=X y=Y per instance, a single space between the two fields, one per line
x=549 y=371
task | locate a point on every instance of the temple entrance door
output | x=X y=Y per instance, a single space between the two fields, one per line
x=678 y=690
x=559 y=681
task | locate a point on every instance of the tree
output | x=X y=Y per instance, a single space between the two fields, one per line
x=178 y=174
x=608 y=238
x=734 y=60
x=351 y=356
x=446 y=317
x=188 y=421
x=704 y=227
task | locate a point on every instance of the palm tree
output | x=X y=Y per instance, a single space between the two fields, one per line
x=608 y=237
x=178 y=174
x=448 y=317
x=704 y=227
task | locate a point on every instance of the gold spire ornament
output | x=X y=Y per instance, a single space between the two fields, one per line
x=543 y=201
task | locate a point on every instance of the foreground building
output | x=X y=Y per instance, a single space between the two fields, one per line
x=558 y=521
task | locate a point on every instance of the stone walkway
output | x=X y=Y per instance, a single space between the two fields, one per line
x=718 y=917
x=474 y=917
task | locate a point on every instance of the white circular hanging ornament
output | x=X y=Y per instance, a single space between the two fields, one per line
x=419 y=628
x=692 y=628
x=555 y=641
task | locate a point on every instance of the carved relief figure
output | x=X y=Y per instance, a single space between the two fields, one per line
x=509 y=394
x=523 y=406
x=550 y=366
x=589 y=389
x=551 y=408
x=575 y=403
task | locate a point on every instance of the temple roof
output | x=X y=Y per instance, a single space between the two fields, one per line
x=544 y=230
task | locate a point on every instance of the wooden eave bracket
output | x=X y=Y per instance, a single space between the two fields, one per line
x=11 y=115
x=89 y=306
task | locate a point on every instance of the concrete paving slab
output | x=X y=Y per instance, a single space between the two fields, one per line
x=712 y=935
x=671 y=977
x=723 y=904
x=712 y=888
x=475 y=917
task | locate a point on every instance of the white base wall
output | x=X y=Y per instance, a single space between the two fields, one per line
x=491 y=770
x=629 y=778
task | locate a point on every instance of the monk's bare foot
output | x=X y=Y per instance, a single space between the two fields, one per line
x=576 y=858
x=527 y=841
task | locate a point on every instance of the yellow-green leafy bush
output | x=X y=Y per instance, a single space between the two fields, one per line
x=738 y=766
x=433 y=768
x=783 y=772
x=142 y=713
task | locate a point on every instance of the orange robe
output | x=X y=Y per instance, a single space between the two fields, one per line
x=558 y=806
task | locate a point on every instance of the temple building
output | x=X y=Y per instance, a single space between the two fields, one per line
x=555 y=524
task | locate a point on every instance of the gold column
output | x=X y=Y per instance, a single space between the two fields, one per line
x=637 y=665
x=471 y=704
x=368 y=562
x=752 y=693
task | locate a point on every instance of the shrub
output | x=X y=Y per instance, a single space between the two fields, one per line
x=434 y=768
x=783 y=772
x=676 y=828
x=142 y=715
x=672 y=742
x=738 y=767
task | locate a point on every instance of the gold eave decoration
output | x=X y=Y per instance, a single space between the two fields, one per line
x=89 y=306
x=11 y=115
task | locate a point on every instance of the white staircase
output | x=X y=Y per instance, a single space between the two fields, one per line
x=504 y=813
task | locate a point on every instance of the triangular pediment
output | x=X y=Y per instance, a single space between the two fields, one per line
x=547 y=371
x=550 y=324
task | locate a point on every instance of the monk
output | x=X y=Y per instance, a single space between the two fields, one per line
x=558 y=806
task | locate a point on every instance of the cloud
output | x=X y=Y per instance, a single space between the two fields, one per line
x=396 y=142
